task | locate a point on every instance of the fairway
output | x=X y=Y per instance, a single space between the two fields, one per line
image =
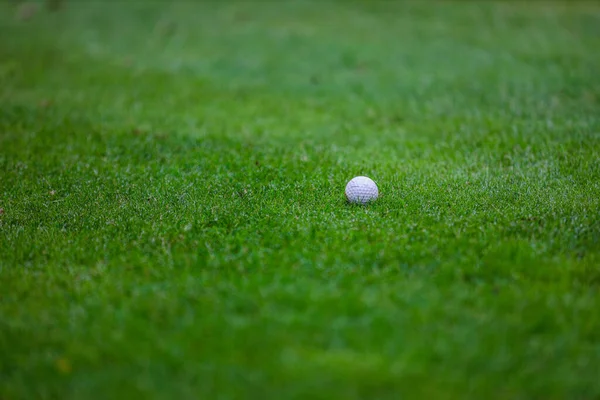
x=172 y=215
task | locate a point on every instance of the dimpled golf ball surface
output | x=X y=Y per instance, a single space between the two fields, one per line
x=361 y=190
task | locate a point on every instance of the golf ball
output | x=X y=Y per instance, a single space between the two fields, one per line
x=361 y=190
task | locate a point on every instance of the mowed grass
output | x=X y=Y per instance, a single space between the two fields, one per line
x=172 y=218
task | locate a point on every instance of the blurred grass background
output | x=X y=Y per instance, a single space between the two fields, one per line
x=172 y=216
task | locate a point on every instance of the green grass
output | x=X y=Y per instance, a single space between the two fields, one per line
x=173 y=222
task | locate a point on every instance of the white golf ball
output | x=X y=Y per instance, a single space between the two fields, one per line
x=361 y=190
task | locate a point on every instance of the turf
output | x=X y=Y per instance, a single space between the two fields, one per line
x=172 y=219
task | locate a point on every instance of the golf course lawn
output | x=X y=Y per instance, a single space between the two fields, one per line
x=172 y=214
